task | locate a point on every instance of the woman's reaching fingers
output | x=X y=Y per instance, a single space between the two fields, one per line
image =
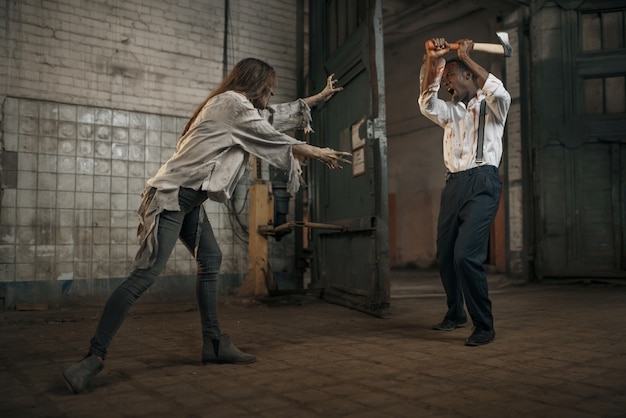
x=333 y=159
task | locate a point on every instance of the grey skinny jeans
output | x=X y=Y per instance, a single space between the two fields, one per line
x=191 y=225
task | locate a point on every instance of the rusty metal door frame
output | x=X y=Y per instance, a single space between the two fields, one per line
x=358 y=277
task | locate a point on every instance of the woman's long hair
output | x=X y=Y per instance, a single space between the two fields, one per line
x=252 y=77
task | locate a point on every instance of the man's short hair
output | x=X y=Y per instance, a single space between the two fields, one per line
x=459 y=64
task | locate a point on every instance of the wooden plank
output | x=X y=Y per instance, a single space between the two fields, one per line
x=31 y=306
x=497 y=239
x=259 y=278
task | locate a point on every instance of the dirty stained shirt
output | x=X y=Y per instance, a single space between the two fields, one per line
x=212 y=156
x=460 y=122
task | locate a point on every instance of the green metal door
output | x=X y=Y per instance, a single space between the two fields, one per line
x=351 y=265
x=580 y=141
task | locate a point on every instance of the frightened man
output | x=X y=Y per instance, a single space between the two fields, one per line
x=472 y=150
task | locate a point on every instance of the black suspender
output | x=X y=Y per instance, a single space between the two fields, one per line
x=481 y=133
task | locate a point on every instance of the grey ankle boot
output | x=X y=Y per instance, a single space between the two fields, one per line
x=223 y=351
x=79 y=374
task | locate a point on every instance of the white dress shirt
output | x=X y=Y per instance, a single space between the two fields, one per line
x=460 y=123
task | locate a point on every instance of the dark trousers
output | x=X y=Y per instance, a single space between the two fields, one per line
x=190 y=224
x=469 y=204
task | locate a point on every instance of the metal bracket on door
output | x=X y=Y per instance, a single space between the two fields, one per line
x=288 y=226
x=375 y=128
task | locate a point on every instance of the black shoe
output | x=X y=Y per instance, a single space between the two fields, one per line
x=449 y=325
x=480 y=336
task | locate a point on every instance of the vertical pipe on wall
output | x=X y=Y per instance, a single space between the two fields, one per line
x=225 y=46
x=301 y=71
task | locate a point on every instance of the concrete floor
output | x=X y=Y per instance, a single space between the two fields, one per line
x=560 y=351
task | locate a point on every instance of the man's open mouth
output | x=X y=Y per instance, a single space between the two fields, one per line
x=451 y=91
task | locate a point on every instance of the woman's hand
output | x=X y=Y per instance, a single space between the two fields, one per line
x=328 y=156
x=332 y=158
x=323 y=96
x=331 y=88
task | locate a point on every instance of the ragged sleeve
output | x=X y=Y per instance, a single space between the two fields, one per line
x=287 y=116
x=258 y=137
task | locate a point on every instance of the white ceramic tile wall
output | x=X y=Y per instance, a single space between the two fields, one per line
x=79 y=173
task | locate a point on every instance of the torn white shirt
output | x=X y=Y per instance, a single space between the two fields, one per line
x=460 y=123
